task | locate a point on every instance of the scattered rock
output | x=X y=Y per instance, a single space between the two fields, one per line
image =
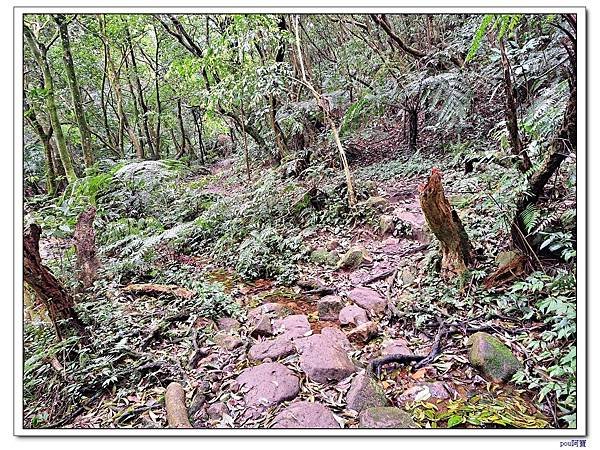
x=492 y=357
x=273 y=349
x=228 y=324
x=198 y=402
x=305 y=415
x=365 y=392
x=292 y=326
x=385 y=417
x=325 y=257
x=217 y=410
x=266 y=385
x=368 y=299
x=353 y=315
x=310 y=283
x=408 y=275
x=395 y=347
x=364 y=332
x=261 y=326
x=354 y=257
x=322 y=359
x=329 y=307
x=377 y=202
x=387 y=224
x=226 y=340
x=272 y=309
x=425 y=391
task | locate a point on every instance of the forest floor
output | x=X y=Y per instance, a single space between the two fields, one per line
x=288 y=337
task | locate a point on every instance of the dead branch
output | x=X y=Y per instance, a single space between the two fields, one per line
x=177 y=414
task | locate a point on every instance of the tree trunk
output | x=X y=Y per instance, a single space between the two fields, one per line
x=39 y=52
x=85 y=245
x=140 y=93
x=113 y=79
x=446 y=226
x=510 y=114
x=413 y=129
x=57 y=301
x=86 y=145
x=45 y=136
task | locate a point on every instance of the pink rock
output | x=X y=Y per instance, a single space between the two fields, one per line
x=353 y=314
x=364 y=332
x=437 y=390
x=272 y=309
x=385 y=417
x=364 y=393
x=292 y=326
x=395 y=347
x=261 y=326
x=273 y=348
x=305 y=415
x=368 y=299
x=267 y=385
x=228 y=324
x=217 y=410
x=336 y=337
x=323 y=359
x=329 y=307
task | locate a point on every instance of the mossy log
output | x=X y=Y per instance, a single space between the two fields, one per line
x=446 y=226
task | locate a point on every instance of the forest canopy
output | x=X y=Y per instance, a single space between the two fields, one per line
x=374 y=212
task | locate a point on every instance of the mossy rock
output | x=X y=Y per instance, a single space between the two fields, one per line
x=492 y=357
x=505 y=258
x=322 y=256
x=354 y=258
x=385 y=417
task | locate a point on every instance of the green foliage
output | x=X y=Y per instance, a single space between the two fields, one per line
x=478 y=411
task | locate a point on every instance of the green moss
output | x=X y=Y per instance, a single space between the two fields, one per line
x=492 y=357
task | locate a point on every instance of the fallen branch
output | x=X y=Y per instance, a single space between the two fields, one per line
x=177 y=414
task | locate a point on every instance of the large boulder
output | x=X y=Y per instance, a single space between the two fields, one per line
x=329 y=307
x=266 y=385
x=279 y=347
x=385 y=417
x=492 y=357
x=305 y=415
x=323 y=358
x=352 y=315
x=364 y=393
x=368 y=299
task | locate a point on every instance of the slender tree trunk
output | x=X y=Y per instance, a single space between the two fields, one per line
x=39 y=53
x=113 y=79
x=45 y=136
x=198 y=121
x=445 y=224
x=136 y=111
x=57 y=301
x=322 y=104
x=86 y=144
x=181 y=128
x=510 y=113
x=140 y=93
x=157 y=88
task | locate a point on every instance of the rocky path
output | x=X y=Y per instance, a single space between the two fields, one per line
x=299 y=358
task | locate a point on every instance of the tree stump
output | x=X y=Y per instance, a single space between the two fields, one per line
x=55 y=298
x=85 y=245
x=177 y=413
x=445 y=225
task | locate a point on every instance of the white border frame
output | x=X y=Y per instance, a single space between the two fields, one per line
x=582 y=382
